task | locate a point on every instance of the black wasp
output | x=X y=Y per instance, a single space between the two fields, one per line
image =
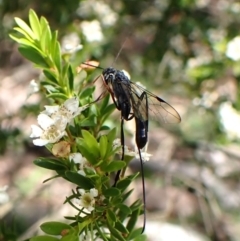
x=133 y=101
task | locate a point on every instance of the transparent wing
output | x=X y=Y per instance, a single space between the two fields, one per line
x=155 y=107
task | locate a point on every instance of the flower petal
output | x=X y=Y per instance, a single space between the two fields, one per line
x=36 y=131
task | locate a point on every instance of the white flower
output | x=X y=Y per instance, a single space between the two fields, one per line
x=87 y=199
x=33 y=87
x=50 y=131
x=71 y=43
x=229 y=117
x=82 y=172
x=233 y=49
x=4 y=198
x=77 y=158
x=92 y=30
x=145 y=156
x=65 y=112
x=53 y=122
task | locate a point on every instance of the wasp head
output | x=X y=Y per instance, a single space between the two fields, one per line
x=109 y=75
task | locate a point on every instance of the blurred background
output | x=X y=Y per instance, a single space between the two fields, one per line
x=187 y=52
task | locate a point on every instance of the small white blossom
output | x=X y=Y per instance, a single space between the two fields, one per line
x=233 y=49
x=68 y=111
x=82 y=172
x=4 y=198
x=50 y=131
x=228 y=117
x=76 y=157
x=87 y=199
x=145 y=156
x=33 y=87
x=53 y=122
x=71 y=43
x=92 y=30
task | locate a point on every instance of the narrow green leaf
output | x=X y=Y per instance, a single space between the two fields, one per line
x=50 y=164
x=121 y=228
x=53 y=42
x=91 y=142
x=33 y=55
x=87 y=153
x=70 y=78
x=24 y=41
x=133 y=220
x=111 y=192
x=115 y=233
x=103 y=146
x=50 y=74
x=81 y=181
x=124 y=183
x=112 y=135
x=87 y=93
x=124 y=209
x=57 y=56
x=104 y=103
x=57 y=96
x=30 y=39
x=54 y=228
x=44 y=238
x=34 y=23
x=25 y=27
x=45 y=40
x=137 y=235
x=114 y=166
x=111 y=215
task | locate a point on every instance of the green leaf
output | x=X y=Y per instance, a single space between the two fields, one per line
x=27 y=30
x=54 y=228
x=45 y=40
x=33 y=55
x=111 y=216
x=91 y=142
x=121 y=228
x=18 y=39
x=48 y=163
x=111 y=192
x=86 y=93
x=81 y=181
x=103 y=146
x=104 y=103
x=57 y=56
x=57 y=96
x=87 y=153
x=34 y=23
x=53 y=42
x=133 y=220
x=123 y=184
x=51 y=75
x=70 y=78
x=112 y=135
x=124 y=209
x=115 y=233
x=137 y=235
x=114 y=166
x=44 y=238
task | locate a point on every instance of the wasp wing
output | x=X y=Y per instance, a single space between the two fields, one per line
x=158 y=108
